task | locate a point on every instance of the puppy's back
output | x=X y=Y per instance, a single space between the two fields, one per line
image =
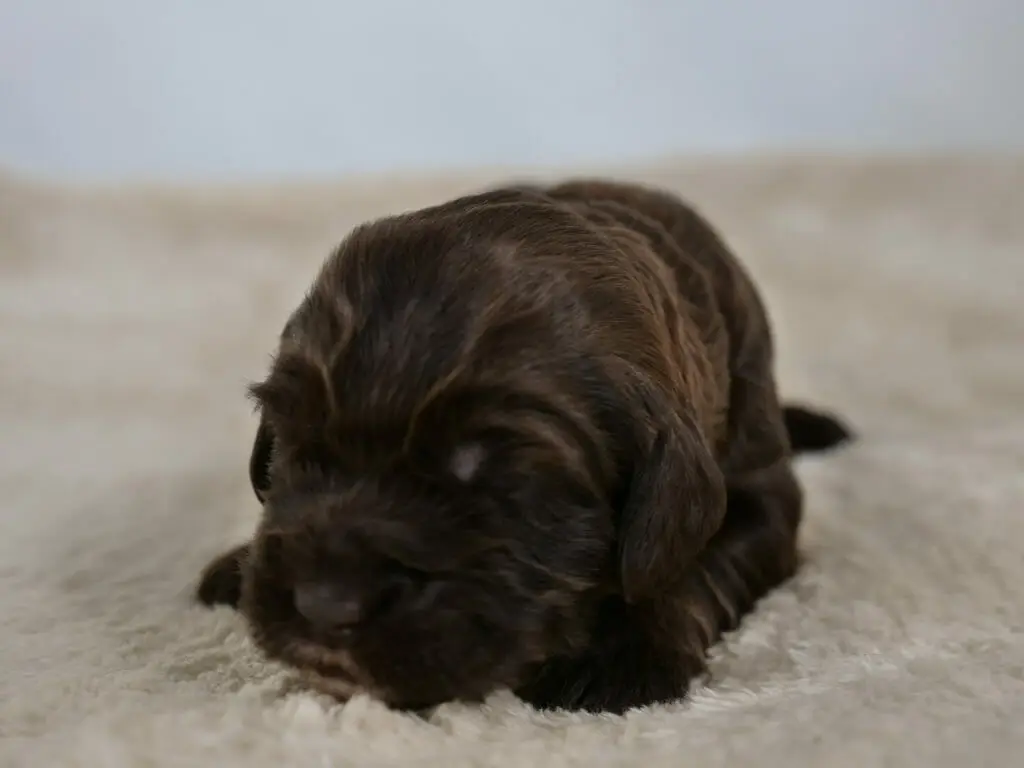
x=728 y=326
x=709 y=277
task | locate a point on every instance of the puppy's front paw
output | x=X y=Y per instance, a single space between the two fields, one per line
x=221 y=580
x=597 y=685
x=623 y=669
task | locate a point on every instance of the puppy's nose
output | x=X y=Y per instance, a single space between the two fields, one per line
x=344 y=602
x=327 y=605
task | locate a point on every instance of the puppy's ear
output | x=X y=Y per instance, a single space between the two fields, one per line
x=675 y=504
x=259 y=460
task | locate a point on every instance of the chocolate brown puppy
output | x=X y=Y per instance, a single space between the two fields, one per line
x=525 y=439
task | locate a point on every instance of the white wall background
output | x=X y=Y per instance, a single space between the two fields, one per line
x=241 y=87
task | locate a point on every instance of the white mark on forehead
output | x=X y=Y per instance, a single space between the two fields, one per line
x=466 y=460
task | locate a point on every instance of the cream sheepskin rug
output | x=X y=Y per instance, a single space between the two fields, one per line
x=133 y=317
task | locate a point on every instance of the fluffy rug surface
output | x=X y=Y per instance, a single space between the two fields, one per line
x=133 y=317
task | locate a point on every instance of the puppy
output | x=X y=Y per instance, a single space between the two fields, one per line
x=525 y=439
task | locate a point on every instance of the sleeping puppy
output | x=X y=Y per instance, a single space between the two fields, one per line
x=526 y=439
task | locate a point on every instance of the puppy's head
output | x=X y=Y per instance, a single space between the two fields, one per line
x=432 y=527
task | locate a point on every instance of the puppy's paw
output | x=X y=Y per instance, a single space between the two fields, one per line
x=592 y=684
x=221 y=581
x=622 y=670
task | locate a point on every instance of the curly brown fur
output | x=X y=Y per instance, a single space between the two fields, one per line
x=524 y=439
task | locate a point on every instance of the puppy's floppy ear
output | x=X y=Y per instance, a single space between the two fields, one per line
x=259 y=460
x=675 y=504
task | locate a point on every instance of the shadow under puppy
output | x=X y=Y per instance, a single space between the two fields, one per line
x=526 y=439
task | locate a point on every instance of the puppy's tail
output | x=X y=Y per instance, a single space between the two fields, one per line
x=813 y=431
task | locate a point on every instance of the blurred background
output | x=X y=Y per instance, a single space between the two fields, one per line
x=238 y=88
